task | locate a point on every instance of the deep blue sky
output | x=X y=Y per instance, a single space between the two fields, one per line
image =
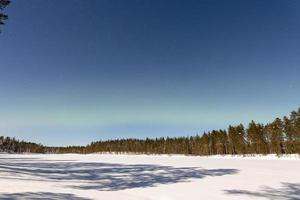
x=74 y=71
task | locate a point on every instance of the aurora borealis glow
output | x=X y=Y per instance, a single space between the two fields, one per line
x=75 y=71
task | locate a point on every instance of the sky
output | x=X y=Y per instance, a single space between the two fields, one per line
x=76 y=71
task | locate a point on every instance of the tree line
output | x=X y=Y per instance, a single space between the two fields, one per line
x=282 y=136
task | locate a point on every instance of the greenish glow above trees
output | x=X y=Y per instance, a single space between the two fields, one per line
x=278 y=137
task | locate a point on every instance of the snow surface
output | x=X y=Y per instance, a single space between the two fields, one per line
x=148 y=177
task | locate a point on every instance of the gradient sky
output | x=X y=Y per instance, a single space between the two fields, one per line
x=74 y=71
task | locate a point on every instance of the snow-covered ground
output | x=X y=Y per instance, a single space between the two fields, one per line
x=148 y=177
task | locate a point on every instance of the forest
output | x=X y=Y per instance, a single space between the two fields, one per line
x=282 y=136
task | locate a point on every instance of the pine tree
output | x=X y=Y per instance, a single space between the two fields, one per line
x=289 y=135
x=275 y=136
x=3 y=17
x=295 y=130
x=257 y=138
x=236 y=136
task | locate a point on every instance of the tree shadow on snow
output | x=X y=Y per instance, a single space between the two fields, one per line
x=104 y=176
x=39 y=195
x=288 y=191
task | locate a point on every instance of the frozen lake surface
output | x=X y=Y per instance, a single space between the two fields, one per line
x=148 y=177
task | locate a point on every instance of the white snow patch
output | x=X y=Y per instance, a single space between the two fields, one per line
x=148 y=177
